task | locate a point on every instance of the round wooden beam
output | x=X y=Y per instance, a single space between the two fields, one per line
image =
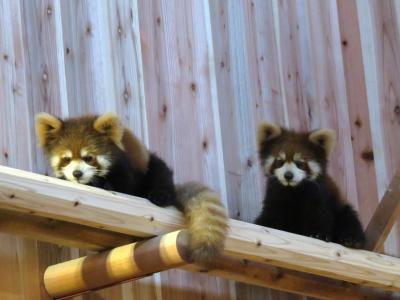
x=117 y=265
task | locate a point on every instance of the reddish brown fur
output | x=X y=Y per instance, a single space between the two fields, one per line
x=290 y=143
x=204 y=212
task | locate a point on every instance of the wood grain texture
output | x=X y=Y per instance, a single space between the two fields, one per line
x=313 y=79
x=59 y=232
x=245 y=271
x=380 y=38
x=139 y=58
x=357 y=101
x=24 y=191
x=119 y=264
x=249 y=92
x=176 y=56
x=385 y=216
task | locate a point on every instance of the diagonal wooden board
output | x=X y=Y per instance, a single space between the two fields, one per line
x=49 y=197
x=386 y=214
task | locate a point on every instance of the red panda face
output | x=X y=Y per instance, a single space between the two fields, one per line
x=293 y=157
x=291 y=168
x=79 y=164
x=80 y=149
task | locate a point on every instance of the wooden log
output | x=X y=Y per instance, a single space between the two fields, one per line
x=300 y=253
x=84 y=237
x=262 y=275
x=81 y=204
x=61 y=232
x=117 y=265
x=386 y=214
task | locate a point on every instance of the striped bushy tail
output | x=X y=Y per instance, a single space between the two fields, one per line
x=206 y=219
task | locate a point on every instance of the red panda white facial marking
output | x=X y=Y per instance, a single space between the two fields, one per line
x=315 y=169
x=291 y=170
x=81 y=167
x=292 y=156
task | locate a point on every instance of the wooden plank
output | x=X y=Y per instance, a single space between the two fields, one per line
x=87 y=55
x=313 y=79
x=60 y=232
x=385 y=216
x=248 y=85
x=180 y=105
x=357 y=103
x=262 y=275
x=20 y=269
x=380 y=38
x=229 y=268
x=300 y=253
x=72 y=235
x=117 y=265
x=66 y=234
x=127 y=65
x=46 y=91
x=90 y=206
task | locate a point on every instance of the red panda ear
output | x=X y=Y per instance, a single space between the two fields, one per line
x=266 y=132
x=110 y=125
x=325 y=138
x=46 y=125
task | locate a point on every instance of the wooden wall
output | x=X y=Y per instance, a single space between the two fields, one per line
x=193 y=78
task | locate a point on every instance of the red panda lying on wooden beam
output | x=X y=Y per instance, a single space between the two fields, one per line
x=301 y=197
x=99 y=151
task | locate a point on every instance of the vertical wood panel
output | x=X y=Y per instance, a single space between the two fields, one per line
x=358 y=109
x=249 y=92
x=380 y=41
x=87 y=51
x=126 y=65
x=180 y=112
x=19 y=272
x=193 y=79
x=314 y=79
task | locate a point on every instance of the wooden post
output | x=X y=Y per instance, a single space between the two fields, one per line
x=117 y=265
x=385 y=215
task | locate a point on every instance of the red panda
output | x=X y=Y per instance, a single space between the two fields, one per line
x=301 y=197
x=99 y=151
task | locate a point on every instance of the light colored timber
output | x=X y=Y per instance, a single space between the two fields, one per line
x=263 y=275
x=50 y=197
x=386 y=214
x=61 y=232
x=65 y=234
x=117 y=265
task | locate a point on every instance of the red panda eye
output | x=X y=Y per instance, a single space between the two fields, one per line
x=66 y=160
x=300 y=164
x=87 y=158
x=278 y=163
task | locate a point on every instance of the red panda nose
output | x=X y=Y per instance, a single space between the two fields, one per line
x=288 y=175
x=77 y=174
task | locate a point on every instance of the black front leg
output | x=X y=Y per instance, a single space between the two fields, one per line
x=348 y=229
x=162 y=196
x=318 y=223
